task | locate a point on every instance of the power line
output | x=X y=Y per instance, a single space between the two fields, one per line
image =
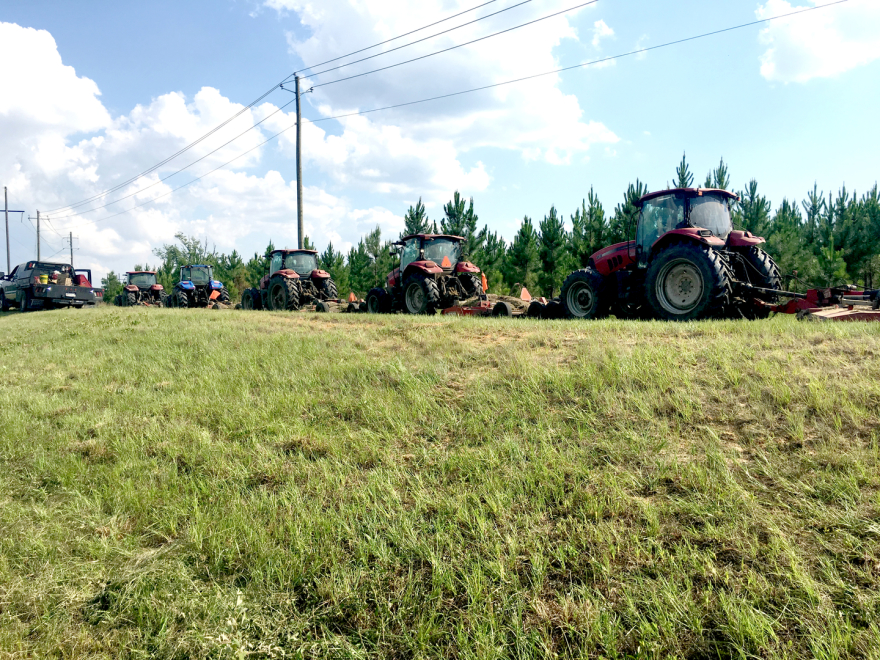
x=467 y=43
x=418 y=41
x=162 y=180
x=244 y=109
x=477 y=89
x=401 y=36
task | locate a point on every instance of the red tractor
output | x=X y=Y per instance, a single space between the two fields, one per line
x=432 y=275
x=686 y=262
x=294 y=280
x=141 y=288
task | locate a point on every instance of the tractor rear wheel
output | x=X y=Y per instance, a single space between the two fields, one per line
x=247 y=299
x=472 y=284
x=584 y=295
x=378 y=301
x=420 y=295
x=688 y=281
x=760 y=271
x=327 y=290
x=163 y=299
x=284 y=294
x=131 y=299
x=224 y=295
x=181 y=300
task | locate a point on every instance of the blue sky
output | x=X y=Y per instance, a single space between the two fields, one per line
x=95 y=92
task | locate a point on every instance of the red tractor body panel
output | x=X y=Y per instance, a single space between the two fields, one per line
x=743 y=239
x=131 y=287
x=426 y=267
x=614 y=257
x=319 y=274
x=703 y=236
x=466 y=267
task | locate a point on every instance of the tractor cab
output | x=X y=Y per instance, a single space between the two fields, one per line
x=442 y=250
x=141 y=279
x=700 y=212
x=199 y=275
x=302 y=262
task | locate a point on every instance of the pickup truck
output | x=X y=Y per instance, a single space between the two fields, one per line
x=45 y=285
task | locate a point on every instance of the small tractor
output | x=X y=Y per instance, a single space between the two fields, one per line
x=197 y=288
x=432 y=276
x=294 y=280
x=141 y=288
x=687 y=262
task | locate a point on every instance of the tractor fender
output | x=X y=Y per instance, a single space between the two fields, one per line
x=157 y=287
x=739 y=238
x=423 y=267
x=287 y=273
x=466 y=267
x=215 y=284
x=613 y=258
x=186 y=286
x=319 y=274
x=393 y=278
x=131 y=287
x=695 y=234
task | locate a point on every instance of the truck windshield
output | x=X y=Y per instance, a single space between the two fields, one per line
x=142 y=279
x=302 y=263
x=710 y=213
x=438 y=248
x=198 y=276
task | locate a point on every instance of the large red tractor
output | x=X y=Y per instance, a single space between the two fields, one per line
x=141 y=288
x=432 y=275
x=686 y=262
x=294 y=280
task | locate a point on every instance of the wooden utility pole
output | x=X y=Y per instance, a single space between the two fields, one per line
x=299 y=171
x=6 y=211
x=71 y=249
x=38 y=235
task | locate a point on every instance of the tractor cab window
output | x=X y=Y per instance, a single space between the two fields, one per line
x=439 y=249
x=302 y=263
x=410 y=253
x=659 y=215
x=275 y=266
x=142 y=279
x=198 y=276
x=710 y=212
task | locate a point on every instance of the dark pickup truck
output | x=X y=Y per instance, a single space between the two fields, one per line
x=46 y=285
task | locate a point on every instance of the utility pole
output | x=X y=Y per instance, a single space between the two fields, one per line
x=299 y=171
x=38 y=235
x=71 y=249
x=6 y=211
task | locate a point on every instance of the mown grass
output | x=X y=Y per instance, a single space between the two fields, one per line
x=179 y=484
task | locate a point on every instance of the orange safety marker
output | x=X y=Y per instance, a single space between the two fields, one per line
x=446 y=263
x=525 y=295
x=214 y=295
x=485 y=283
x=352 y=297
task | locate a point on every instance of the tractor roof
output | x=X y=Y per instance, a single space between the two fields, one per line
x=428 y=237
x=686 y=192
x=290 y=251
x=141 y=272
x=196 y=266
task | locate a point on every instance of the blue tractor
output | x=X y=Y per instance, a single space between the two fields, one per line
x=197 y=288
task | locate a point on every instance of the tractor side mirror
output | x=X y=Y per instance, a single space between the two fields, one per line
x=392 y=250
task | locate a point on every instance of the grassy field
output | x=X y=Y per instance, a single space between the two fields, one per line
x=187 y=484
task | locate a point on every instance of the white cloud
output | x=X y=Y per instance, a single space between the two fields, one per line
x=819 y=44
x=601 y=31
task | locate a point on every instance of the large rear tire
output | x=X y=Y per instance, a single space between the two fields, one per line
x=224 y=295
x=284 y=294
x=378 y=301
x=327 y=290
x=761 y=271
x=584 y=295
x=247 y=300
x=688 y=281
x=472 y=284
x=181 y=300
x=420 y=295
x=131 y=299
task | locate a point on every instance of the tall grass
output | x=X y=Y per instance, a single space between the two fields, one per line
x=182 y=484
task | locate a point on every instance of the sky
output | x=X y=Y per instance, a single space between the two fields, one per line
x=95 y=93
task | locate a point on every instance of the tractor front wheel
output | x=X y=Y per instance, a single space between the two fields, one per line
x=420 y=295
x=284 y=294
x=688 y=281
x=583 y=295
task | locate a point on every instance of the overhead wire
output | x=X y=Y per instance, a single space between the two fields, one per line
x=467 y=43
x=484 y=87
x=248 y=107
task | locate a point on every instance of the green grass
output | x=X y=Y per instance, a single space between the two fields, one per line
x=179 y=484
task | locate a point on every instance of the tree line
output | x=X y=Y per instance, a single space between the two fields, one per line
x=819 y=241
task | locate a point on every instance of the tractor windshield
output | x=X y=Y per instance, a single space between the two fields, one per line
x=440 y=249
x=142 y=279
x=302 y=263
x=710 y=213
x=200 y=276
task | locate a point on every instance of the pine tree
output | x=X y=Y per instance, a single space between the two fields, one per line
x=683 y=176
x=112 y=286
x=626 y=215
x=589 y=230
x=258 y=266
x=307 y=244
x=552 y=253
x=360 y=273
x=719 y=177
x=416 y=221
x=460 y=220
x=522 y=257
x=814 y=208
x=490 y=259
x=334 y=263
x=753 y=211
